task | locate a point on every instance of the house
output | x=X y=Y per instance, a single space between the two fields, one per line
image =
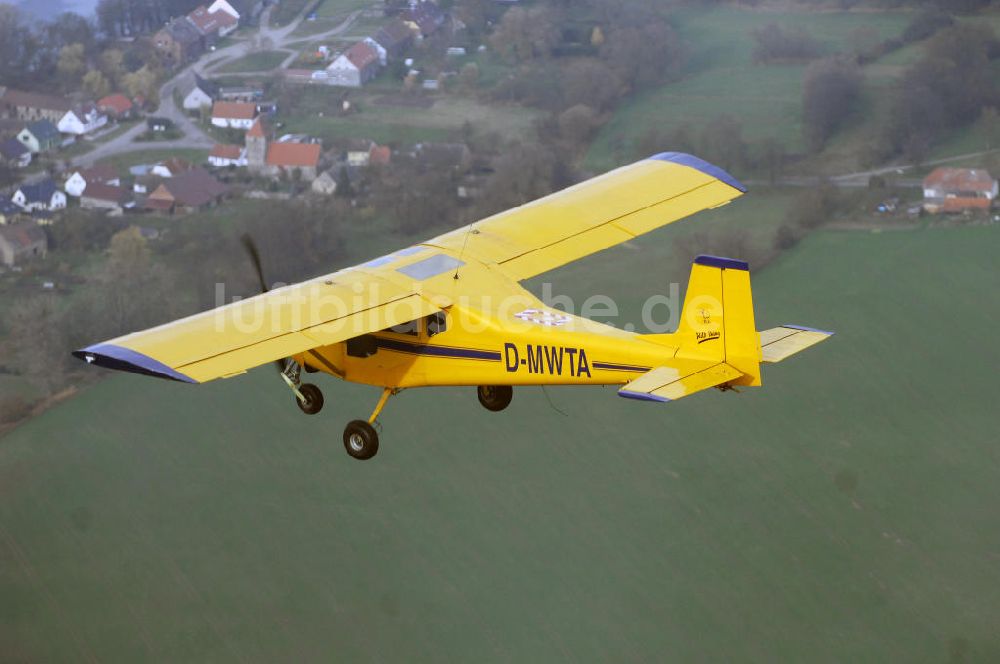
x=116 y=105
x=289 y=157
x=171 y=168
x=100 y=196
x=31 y=106
x=275 y=158
x=179 y=42
x=42 y=195
x=212 y=25
x=425 y=15
x=355 y=66
x=235 y=114
x=14 y=153
x=79 y=180
x=22 y=242
x=324 y=184
x=40 y=136
x=393 y=39
x=222 y=156
x=247 y=12
x=9 y=213
x=201 y=93
x=379 y=155
x=359 y=152
x=959 y=190
x=190 y=191
x=81 y=120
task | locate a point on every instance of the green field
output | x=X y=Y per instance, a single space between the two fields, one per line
x=384 y=123
x=261 y=61
x=722 y=79
x=844 y=512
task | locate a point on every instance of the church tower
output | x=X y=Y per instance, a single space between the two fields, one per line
x=256 y=144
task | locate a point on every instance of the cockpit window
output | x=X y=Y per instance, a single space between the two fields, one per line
x=412 y=328
x=436 y=323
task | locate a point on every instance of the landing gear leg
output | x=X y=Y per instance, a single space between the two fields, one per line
x=308 y=397
x=360 y=437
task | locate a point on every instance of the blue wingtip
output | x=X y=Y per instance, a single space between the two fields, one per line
x=118 y=358
x=700 y=164
x=641 y=396
x=722 y=262
x=809 y=329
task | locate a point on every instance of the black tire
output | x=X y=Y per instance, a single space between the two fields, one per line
x=495 y=397
x=360 y=440
x=314 y=399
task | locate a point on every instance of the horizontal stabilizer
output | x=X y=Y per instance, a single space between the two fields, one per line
x=668 y=384
x=780 y=342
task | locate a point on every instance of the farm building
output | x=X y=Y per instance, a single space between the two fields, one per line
x=235 y=114
x=21 y=242
x=958 y=190
x=355 y=66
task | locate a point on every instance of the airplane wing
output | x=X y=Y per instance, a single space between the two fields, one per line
x=669 y=384
x=593 y=215
x=779 y=343
x=231 y=339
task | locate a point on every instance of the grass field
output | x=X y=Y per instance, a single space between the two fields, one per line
x=844 y=512
x=386 y=123
x=722 y=78
x=261 y=61
x=126 y=160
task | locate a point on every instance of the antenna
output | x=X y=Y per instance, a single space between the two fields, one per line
x=464 y=244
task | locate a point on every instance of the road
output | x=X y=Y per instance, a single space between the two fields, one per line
x=192 y=136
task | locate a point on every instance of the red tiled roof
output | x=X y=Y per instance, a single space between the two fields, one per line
x=104 y=192
x=256 y=129
x=361 y=55
x=22 y=236
x=234 y=110
x=208 y=23
x=293 y=155
x=380 y=154
x=959 y=179
x=98 y=173
x=118 y=103
x=226 y=151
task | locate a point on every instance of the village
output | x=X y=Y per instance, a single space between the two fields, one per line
x=249 y=156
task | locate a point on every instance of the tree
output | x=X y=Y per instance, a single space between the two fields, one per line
x=468 y=76
x=95 y=84
x=525 y=34
x=590 y=82
x=143 y=82
x=71 y=64
x=644 y=56
x=18 y=47
x=989 y=122
x=829 y=93
x=112 y=65
x=722 y=142
x=577 y=124
x=38 y=348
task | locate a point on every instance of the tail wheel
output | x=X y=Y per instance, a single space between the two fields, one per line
x=360 y=440
x=313 y=399
x=495 y=397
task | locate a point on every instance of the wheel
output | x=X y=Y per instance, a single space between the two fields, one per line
x=360 y=440
x=495 y=397
x=314 y=399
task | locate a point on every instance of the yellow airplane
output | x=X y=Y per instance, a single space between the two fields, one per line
x=450 y=311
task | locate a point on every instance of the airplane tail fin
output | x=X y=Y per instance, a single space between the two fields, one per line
x=717 y=318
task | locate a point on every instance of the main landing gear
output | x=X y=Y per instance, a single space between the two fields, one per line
x=360 y=437
x=308 y=397
x=495 y=397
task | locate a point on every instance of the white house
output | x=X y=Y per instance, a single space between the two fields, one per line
x=382 y=53
x=202 y=93
x=222 y=5
x=39 y=196
x=77 y=182
x=227 y=155
x=355 y=66
x=235 y=114
x=82 y=120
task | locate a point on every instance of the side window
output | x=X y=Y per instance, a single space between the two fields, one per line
x=436 y=323
x=411 y=328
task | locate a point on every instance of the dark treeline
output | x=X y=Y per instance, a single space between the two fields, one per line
x=132 y=17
